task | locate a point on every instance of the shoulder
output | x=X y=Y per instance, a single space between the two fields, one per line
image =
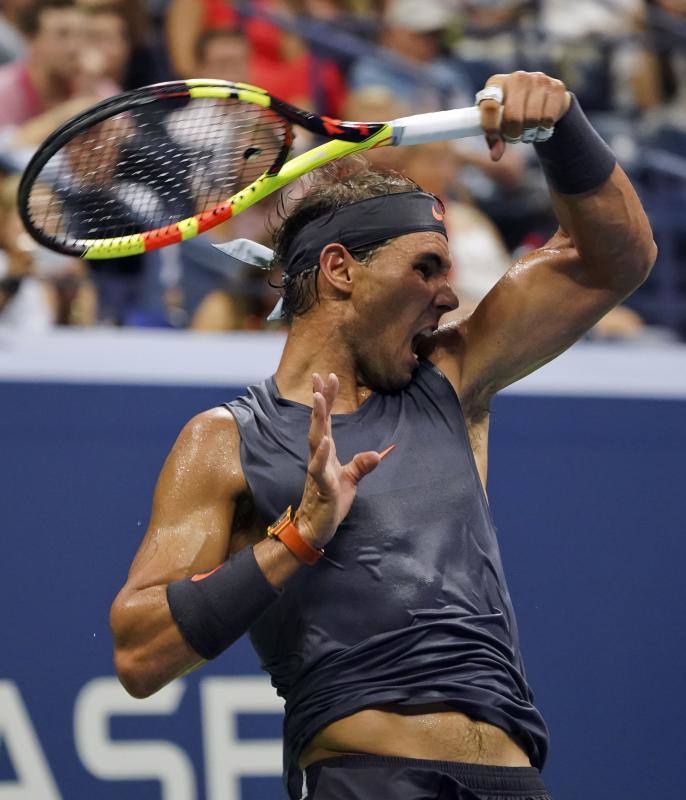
x=208 y=446
x=209 y=424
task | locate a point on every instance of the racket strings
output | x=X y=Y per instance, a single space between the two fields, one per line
x=153 y=166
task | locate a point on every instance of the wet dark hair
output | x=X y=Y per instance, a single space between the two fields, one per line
x=334 y=186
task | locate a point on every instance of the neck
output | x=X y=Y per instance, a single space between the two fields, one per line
x=313 y=348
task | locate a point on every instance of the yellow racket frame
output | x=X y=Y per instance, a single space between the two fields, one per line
x=263 y=186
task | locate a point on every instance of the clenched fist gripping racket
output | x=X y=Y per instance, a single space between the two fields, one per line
x=163 y=163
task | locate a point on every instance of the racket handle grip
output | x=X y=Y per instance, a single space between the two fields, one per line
x=457 y=123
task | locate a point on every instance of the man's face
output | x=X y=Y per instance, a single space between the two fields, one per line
x=397 y=298
x=107 y=35
x=421 y=46
x=56 y=47
x=226 y=58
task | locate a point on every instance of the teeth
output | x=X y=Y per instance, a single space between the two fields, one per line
x=425 y=333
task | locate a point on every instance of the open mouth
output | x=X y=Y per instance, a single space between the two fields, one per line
x=419 y=338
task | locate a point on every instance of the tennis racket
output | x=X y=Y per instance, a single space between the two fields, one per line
x=163 y=163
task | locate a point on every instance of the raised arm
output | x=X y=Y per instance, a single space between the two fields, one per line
x=183 y=26
x=601 y=253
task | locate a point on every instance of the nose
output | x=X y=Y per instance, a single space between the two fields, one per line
x=446 y=299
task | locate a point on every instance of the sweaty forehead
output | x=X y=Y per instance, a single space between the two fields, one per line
x=414 y=244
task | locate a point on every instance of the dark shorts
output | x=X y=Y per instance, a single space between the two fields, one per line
x=362 y=777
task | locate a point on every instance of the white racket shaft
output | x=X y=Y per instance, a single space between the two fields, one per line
x=457 y=123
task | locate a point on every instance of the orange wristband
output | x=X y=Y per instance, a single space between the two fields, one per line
x=285 y=531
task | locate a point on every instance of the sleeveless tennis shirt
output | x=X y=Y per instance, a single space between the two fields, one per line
x=411 y=605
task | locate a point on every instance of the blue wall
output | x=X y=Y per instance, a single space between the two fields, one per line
x=587 y=495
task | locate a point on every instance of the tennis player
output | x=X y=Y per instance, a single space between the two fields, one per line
x=337 y=511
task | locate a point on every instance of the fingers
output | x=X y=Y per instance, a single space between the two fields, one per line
x=320 y=440
x=555 y=106
x=384 y=453
x=317 y=383
x=318 y=462
x=547 y=112
x=330 y=390
x=323 y=397
x=531 y=100
x=497 y=147
x=491 y=112
x=491 y=107
x=362 y=464
x=513 y=109
x=318 y=426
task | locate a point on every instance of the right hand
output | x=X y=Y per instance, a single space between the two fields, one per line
x=330 y=487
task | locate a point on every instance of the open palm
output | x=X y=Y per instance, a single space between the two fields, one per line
x=330 y=486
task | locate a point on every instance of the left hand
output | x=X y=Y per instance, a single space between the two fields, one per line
x=330 y=486
x=530 y=100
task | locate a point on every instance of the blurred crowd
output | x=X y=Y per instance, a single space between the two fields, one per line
x=355 y=59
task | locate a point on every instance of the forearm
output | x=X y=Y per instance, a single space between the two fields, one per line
x=610 y=232
x=33 y=132
x=596 y=205
x=149 y=650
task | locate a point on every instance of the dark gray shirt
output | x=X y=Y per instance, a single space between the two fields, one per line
x=412 y=606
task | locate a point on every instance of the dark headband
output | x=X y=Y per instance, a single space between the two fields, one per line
x=365 y=223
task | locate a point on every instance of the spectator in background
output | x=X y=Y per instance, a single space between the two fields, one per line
x=12 y=42
x=297 y=75
x=53 y=83
x=499 y=36
x=108 y=40
x=664 y=70
x=331 y=17
x=38 y=288
x=187 y=19
x=223 y=53
x=202 y=290
x=595 y=50
x=24 y=303
x=412 y=32
x=124 y=24
x=55 y=33
x=279 y=60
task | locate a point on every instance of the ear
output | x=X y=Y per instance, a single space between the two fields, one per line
x=337 y=270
